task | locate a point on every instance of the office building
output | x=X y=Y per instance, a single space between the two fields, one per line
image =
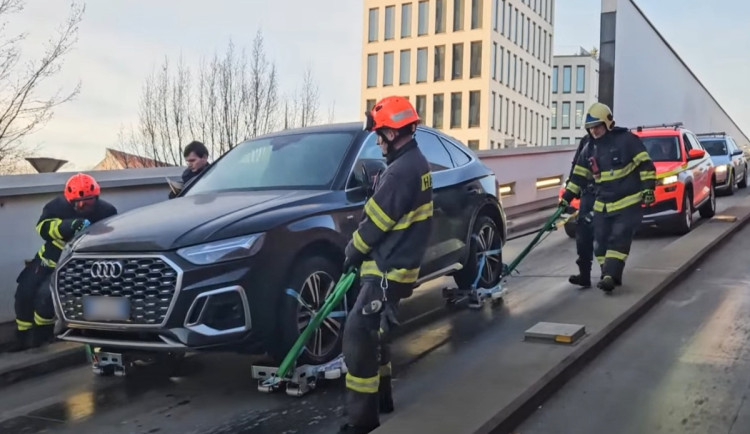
x=480 y=70
x=575 y=87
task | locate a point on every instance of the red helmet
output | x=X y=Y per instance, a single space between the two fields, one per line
x=81 y=187
x=391 y=112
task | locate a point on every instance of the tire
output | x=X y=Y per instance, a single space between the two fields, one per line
x=732 y=184
x=743 y=181
x=312 y=278
x=570 y=229
x=484 y=229
x=708 y=209
x=684 y=223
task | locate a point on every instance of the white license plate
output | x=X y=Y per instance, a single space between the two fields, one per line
x=99 y=308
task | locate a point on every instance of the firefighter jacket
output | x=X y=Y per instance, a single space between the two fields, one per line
x=397 y=221
x=587 y=188
x=60 y=222
x=620 y=167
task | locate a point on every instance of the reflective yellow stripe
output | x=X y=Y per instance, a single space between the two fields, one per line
x=623 y=203
x=54 y=228
x=573 y=188
x=45 y=261
x=421 y=213
x=359 y=243
x=672 y=172
x=401 y=275
x=648 y=175
x=59 y=244
x=581 y=171
x=385 y=370
x=616 y=255
x=41 y=321
x=641 y=157
x=613 y=175
x=378 y=216
x=23 y=325
x=600 y=260
x=363 y=385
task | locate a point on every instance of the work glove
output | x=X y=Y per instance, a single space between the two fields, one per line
x=388 y=322
x=354 y=258
x=79 y=224
x=648 y=197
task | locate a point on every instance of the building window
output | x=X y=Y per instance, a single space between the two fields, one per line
x=476 y=13
x=390 y=21
x=476 y=60
x=494 y=111
x=528 y=34
x=554 y=79
x=515 y=72
x=533 y=40
x=566 y=115
x=579 y=114
x=369 y=104
x=580 y=79
x=424 y=8
x=523 y=29
x=421 y=65
x=421 y=106
x=566 y=79
x=501 y=61
x=474 y=106
x=406 y=20
x=458 y=61
x=473 y=144
x=526 y=91
x=495 y=4
x=554 y=141
x=502 y=17
x=388 y=69
x=405 y=67
x=373 y=26
x=507 y=115
x=372 y=70
x=545 y=47
x=507 y=76
x=439 y=74
x=513 y=124
x=565 y=141
x=515 y=26
x=500 y=113
x=437 y=110
x=458 y=15
x=509 y=33
x=493 y=61
x=440 y=17
x=456 y=110
x=554 y=115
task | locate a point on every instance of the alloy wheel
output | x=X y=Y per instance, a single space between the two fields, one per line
x=688 y=212
x=487 y=240
x=313 y=294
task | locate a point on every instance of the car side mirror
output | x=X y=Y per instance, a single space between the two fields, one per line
x=696 y=154
x=366 y=173
x=738 y=152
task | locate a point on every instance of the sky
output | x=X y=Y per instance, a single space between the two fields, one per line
x=122 y=41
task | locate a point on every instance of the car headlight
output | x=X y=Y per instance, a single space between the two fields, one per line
x=672 y=179
x=721 y=169
x=223 y=250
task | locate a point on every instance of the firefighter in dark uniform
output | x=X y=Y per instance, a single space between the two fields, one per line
x=62 y=218
x=387 y=248
x=625 y=179
x=584 y=225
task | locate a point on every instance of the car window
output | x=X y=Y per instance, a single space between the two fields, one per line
x=370 y=149
x=293 y=161
x=434 y=151
x=694 y=143
x=459 y=157
x=686 y=141
x=715 y=146
x=663 y=148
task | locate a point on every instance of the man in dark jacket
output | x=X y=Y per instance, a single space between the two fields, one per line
x=584 y=225
x=388 y=248
x=196 y=157
x=625 y=179
x=62 y=219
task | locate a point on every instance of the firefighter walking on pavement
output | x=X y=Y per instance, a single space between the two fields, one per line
x=62 y=218
x=584 y=224
x=387 y=248
x=624 y=178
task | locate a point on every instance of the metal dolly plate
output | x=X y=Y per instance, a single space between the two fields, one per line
x=303 y=379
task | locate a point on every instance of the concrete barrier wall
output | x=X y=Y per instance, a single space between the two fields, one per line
x=23 y=196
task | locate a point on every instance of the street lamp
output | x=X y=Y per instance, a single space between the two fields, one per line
x=46 y=165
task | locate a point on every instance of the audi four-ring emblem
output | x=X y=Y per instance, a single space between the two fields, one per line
x=106 y=269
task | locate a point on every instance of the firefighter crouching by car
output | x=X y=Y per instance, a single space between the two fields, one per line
x=584 y=223
x=62 y=218
x=387 y=247
x=625 y=178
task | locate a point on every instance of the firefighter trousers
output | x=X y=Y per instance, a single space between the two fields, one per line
x=613 y=236
x=367 y=355
x=33 y=297
x=585 y=235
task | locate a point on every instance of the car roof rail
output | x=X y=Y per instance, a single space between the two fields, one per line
x=674 y=125
x=721 y=133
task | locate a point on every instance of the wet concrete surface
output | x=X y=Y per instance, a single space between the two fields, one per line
x=214 y=393
x=683 y=368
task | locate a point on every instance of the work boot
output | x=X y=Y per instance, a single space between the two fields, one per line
x=43 y=335
x=607 y=284
x=24 y=341
x=350 y=429
x=385 y=395
x=583 y=278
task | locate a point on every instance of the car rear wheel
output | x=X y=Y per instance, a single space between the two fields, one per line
x=708 y=210
x=311 y=280
x=685 y=220
x=485 y=238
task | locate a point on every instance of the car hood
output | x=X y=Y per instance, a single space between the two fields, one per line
x=720 y=159
x=191 y=220
x=667 y=166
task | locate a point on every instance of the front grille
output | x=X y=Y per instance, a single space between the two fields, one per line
x=149 y=284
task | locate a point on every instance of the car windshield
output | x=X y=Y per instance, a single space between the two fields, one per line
x=665 y=148
x=293 y=161
x=715 y=147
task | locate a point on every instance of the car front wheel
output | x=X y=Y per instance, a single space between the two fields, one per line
x=485 y=241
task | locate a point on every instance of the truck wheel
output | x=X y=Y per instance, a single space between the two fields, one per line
x=313 y=278
x=708 y=210
x=485 y=237
x=684 y=222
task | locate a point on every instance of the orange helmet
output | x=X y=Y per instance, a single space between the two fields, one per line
x=81 y=187
x=391 y=112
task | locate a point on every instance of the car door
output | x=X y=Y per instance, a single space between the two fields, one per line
x=738 y=158
x=701 y=171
